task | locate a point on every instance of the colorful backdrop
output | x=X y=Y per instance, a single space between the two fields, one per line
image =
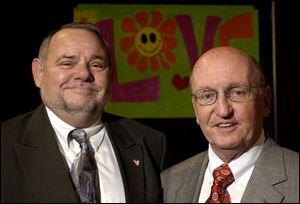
x=154 y=48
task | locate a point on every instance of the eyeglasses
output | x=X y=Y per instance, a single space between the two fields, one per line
x=205 y=97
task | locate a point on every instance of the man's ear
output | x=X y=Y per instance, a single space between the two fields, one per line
x=37 y=71
x=267 y=101
x=195 y=108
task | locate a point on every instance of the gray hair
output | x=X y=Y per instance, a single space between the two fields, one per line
x=261 y=79
x=43 y=51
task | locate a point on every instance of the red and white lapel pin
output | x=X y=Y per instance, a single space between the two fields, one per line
x=136 y=162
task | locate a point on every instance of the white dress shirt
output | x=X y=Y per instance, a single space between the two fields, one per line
x=111 y=183
x=241 y=168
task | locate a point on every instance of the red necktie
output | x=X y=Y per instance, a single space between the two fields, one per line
x=222 y=179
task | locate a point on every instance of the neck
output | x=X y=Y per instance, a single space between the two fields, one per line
x=227 y=155
x=79 y=119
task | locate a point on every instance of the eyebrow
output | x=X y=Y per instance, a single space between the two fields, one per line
x=67 y=57
x=98 y=57
x=94 y=57
x=231 y=85
x=70 y=57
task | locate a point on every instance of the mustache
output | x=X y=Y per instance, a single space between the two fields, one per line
x=87 y=85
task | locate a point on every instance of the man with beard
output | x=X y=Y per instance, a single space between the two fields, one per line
x=73 y=72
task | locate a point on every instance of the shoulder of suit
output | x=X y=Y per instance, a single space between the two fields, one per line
x=275 y=147
x=127 y=123
x=195 y=161
x=16 y=121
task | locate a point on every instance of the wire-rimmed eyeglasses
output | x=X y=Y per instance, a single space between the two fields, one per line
x=205 y=97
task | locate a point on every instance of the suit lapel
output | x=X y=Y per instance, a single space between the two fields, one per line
x=190 y=188
x=200 y=178
x=261 y=190
x=42 y=162
x=268 y=171
x=130 y=159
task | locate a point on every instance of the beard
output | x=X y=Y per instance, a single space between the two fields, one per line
x=92 y=106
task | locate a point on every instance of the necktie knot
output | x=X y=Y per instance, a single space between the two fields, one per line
x=79 y=135
x=223 y=176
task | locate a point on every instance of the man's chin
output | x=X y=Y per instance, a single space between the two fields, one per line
x=81 y=108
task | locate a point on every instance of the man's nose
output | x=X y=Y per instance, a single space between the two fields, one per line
x=223 y=106
x=84 y=73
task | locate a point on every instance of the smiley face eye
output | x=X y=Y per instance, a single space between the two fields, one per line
x=144 y=38
x=152 y=37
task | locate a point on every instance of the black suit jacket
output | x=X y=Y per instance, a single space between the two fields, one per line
x=34 y=170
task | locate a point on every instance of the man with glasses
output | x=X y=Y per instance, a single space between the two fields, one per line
x=242 y=164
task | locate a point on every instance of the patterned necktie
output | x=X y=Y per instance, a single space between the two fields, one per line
x=222 y=179
x=84 y=171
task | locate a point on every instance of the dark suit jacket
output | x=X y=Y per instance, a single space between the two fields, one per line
x=34 y=170
x=275 y=178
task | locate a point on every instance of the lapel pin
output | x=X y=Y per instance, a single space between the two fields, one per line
x=136 y=162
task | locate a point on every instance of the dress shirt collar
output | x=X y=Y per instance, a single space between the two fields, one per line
x=241 y=164
x=62 y=130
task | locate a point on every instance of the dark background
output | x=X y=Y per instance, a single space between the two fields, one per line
x=29 y=22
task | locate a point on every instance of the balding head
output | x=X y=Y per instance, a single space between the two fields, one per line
x=230 y=100
x=223 y=60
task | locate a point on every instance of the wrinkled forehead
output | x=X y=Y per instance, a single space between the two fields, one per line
x=72 y=34
x=75 y=41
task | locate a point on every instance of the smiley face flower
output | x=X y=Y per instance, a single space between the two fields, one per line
x=150 y=43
